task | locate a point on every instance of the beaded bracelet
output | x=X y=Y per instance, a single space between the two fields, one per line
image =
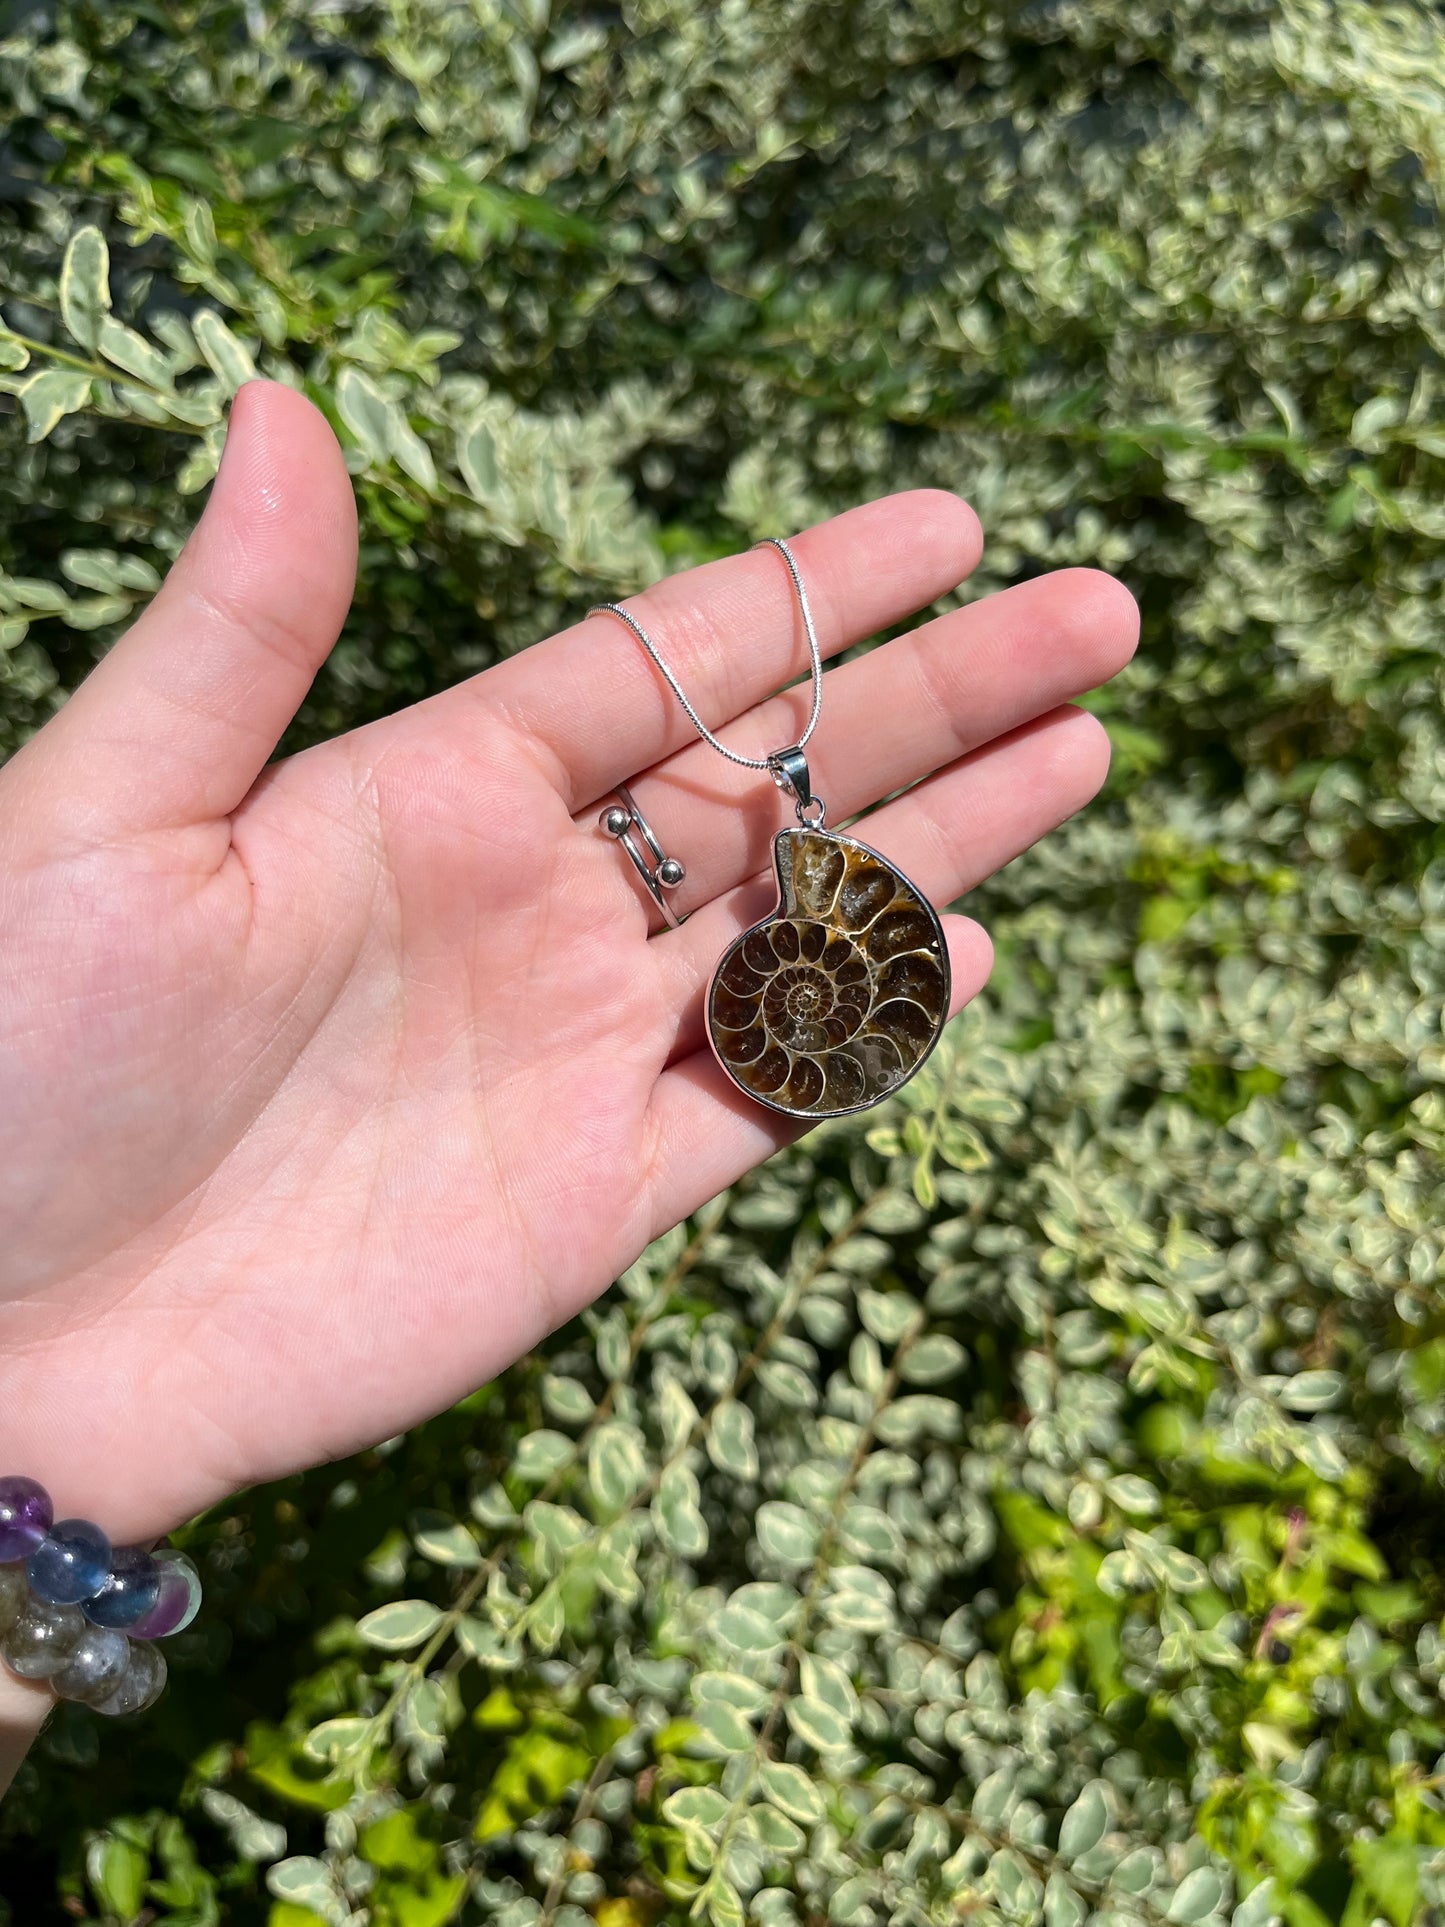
x=81 y=1615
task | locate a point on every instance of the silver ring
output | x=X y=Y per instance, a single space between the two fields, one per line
x=663 y=872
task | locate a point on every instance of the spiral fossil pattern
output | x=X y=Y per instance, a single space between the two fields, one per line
x=837 y=998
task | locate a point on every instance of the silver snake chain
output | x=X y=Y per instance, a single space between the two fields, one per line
x=733 y=756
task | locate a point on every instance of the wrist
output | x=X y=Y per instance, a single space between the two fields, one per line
x=25 y=1705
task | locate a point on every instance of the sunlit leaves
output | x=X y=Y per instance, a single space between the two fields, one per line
x=1003 y=1468
x=1085 y=1823
x=541 y=1454
x=402 y=1624
x=48 y=396
x=227 y=355
x=129 y=351
x=85 y=285
x=790 y=1789
x=616 y=1465
x=381 y=428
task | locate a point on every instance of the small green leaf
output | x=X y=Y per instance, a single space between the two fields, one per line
x=1312 y=1391
x=789 y=1788
x=616 y=1466
x=1062 y=1906
x=850 y=1902
x=919 y=1415
x=933 y=1359
x=199 y=468
x=786 y=1533
x=677 y=1416
x=1132 y=1494
x=333 y=1738
x=33 y=593
x=229 y=357
x=775 y=1832
x=677 y=1514
x=118 y=1871
x=1379 y=413
x=696 y=1806
x=48 y=397
x=105 y=571
x=301 y=1878
x=819 y=1725
x=824 y=1679
x=94 y=612
x=724 y=1907
x=446 y=1542
x=411 y=452
x=735 y=1689
x=134 y=353
x=363 y=408
x=747 y=1631
x=888 y=1314
x=404 y=1623
x=857 y=1609
x=567 y=1400
x=1197 y=1894
x=478 y=461
x=788 y=1383
x=85 y=285
x=541 y=1454
x=1390 y=1868
x=426 y=1709
x=869 y=1533
x=730 y=1440
x=722 y=1728
x=1085 y=1823
x=993 y=1796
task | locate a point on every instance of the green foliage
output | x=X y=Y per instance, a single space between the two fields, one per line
x=1021 y=1504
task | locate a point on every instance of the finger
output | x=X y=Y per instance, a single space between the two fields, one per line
x=703 y=1134
x=946 y=835
x=907 y=708
x=595 y=704
x=176 y=723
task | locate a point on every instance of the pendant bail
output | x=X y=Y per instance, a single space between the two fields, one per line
x=789 y=768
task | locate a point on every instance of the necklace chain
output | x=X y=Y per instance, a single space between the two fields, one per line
x=735 y=756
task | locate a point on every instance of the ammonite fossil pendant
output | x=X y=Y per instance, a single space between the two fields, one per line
x=834 y=1000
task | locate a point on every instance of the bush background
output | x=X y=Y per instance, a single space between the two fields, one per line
x=1021 y=1503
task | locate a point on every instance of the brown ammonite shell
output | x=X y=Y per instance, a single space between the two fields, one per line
x=835 y=999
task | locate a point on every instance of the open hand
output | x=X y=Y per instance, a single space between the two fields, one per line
x=328 y=1087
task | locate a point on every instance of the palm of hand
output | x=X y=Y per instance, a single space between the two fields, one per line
x=329 y=1093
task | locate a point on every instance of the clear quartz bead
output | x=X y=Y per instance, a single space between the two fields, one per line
x=14 y=1595
x=42 y=1639
x=142 y=1683
x=96 y=1668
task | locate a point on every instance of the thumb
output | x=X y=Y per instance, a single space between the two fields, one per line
x=175 y=724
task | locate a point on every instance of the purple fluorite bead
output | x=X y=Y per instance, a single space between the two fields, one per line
x=177 y=1601
x=131 y=1589
x=70 y=1563
x=25 y=1518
